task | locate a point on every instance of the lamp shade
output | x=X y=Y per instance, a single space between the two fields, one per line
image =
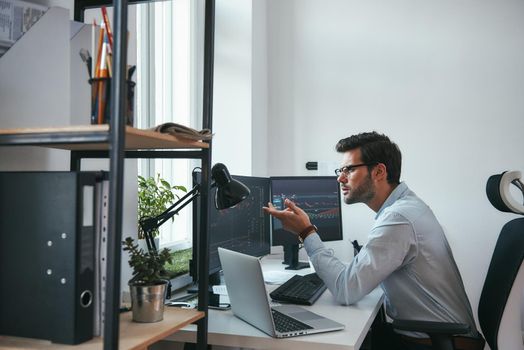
x=230 y=192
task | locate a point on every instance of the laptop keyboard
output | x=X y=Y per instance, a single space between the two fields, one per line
x=285 y=324
x=304 y=290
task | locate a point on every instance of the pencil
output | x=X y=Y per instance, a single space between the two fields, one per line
x=99 y=50
x=108 y=63
x=93 y=31
x=108 y=27
x=103 y=85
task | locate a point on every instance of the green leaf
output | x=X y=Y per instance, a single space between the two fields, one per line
x=155 y=195
x=147 y=268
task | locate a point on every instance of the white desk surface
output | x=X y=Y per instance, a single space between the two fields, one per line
x=227 y=330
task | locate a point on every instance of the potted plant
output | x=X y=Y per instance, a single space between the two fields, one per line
x=148 y=283
x=155 y=195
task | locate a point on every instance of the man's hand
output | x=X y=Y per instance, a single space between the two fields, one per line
x=293 y=218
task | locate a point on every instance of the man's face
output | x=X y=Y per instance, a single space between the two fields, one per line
x=357 y=185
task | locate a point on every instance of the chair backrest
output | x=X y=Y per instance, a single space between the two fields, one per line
x=500 y=287
x=499 y=318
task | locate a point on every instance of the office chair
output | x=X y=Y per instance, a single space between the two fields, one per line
x=501 y=326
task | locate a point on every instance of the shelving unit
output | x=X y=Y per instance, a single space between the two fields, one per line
x=94 y=137
x=133 y=336
x=116 y=142
x=94 y=142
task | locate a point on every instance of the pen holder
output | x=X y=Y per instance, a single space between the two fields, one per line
x=101 y=101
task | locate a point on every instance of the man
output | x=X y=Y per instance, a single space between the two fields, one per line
x=407 y=253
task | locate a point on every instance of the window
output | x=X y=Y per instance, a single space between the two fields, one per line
x=165 y=92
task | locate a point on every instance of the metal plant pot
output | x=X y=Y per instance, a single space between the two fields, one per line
x=147 y=301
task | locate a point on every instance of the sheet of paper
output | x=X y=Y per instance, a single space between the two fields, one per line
x=220 y=290
x=277 y=277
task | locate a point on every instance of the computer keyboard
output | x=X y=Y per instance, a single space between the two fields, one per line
x=303 y=290
x=285 y=323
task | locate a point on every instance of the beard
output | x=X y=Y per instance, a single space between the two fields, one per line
x=361 y=194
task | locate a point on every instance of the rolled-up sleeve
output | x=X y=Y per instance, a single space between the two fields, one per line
x=386 y=250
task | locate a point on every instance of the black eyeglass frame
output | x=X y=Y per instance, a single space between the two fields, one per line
x=348 y=169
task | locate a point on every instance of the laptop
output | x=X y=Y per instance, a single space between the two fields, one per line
x=249 y=301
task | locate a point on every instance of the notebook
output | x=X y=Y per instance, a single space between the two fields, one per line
x=249 y=301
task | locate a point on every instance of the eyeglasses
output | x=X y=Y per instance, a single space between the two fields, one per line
x=348 y=169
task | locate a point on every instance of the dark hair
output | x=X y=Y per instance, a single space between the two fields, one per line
x=375 y=147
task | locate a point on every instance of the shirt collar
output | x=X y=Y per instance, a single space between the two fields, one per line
x=393 y=196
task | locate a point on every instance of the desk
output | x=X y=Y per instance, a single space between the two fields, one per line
x=226 y=329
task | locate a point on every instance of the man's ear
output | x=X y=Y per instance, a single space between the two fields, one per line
x=380 y=172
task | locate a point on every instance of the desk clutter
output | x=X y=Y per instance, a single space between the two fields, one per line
x=184 y=132
x=100 y=74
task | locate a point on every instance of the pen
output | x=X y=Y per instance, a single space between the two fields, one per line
x=86 y=57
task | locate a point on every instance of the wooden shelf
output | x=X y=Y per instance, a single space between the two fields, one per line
x=133 y=335
x=93 y=137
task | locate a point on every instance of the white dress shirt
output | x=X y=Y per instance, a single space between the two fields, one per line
x=408 y=255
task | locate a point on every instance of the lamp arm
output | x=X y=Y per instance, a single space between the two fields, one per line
x=150 y=224
x=181 y=203
x=150 y=242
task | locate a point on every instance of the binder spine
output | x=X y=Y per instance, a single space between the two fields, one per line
x=78 y=322
x=101 y=226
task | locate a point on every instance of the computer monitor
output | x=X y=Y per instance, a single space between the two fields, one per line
x=319 y=197
x=245 y=228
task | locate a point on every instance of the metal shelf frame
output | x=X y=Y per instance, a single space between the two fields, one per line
x=49 y=138
x=114 y=258
x=117 y=153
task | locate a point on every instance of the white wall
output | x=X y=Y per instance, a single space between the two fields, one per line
x=240 y=87
x=260 y=133
x=232 y=96
x=444 y=79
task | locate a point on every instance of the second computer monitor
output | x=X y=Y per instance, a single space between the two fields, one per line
x=243 y=228
x=319 y=197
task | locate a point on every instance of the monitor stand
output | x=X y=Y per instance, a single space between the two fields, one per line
x=291 y=258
